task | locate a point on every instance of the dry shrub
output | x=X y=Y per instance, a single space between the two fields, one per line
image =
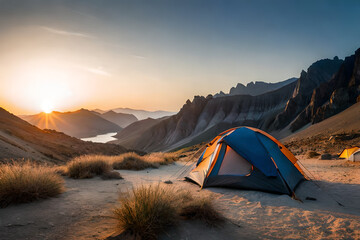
x=61 y=170
x=87 y=166
x=313 y=154
x=132 y=161
x=161 y=158
x=27 y=182
x=146 y=211
x=202 y=209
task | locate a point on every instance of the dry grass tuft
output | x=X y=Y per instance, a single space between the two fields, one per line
x=146 y=212
x=202 y=209
x=161 y=158
x=61 y=170
x=87 y=166
x=313 y=154
x=132 y=161
x=27 y=182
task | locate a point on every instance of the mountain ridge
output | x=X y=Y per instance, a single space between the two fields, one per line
x=21 y=140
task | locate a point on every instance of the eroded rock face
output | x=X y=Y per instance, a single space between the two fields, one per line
x=202 y=114
x=328 y=87
x=319 y=72
x=333 y=96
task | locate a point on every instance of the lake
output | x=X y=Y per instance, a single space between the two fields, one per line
x=102 y=138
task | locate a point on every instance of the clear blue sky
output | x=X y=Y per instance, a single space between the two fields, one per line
x=156 y=54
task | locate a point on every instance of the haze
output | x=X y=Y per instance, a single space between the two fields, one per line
x=64 y=55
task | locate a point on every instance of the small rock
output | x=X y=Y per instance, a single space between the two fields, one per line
x=326 y=156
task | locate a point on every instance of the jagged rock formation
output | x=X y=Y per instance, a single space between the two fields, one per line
x=328 y=87
x=319 y=72
x=333 y=96
x=255 y=89
x=206 y=114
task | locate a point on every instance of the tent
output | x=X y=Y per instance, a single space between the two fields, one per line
x=355 y=156
x=347 y=152
x=247 y=158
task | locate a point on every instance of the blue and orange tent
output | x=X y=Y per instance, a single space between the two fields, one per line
x=248 y=158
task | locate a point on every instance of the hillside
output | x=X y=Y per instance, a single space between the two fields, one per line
x=129 y=135
x=19 y=139
x=331 y=135
x=121 y=119
x=80 y=124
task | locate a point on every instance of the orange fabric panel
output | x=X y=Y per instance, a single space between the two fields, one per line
x=203 y=165
x=211 y=147
x=231 y=129
x=214 y=161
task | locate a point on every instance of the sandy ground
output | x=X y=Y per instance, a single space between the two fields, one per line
x=84 y=210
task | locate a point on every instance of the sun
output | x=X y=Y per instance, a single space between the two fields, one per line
x=47 y=106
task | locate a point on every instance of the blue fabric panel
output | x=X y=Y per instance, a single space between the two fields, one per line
x=201 y=157
x=288 y=171
x=245 y=143
x=256 y=181
x=219 y=160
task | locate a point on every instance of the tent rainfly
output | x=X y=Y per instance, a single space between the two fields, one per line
x=347 y=152
x=355 y=156
x=248 y=158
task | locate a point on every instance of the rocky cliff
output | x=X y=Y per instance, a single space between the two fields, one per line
x=204 y=113
x=333 y=96
x=319 y=72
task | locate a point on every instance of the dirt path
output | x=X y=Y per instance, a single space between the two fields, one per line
x=84 y=210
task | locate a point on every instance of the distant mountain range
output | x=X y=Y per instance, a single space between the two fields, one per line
x=327 y=87
x=130 y=135
x=143 y=114
x=121 y=119
x=81 y=124
x=256 y=88
x=19 y=139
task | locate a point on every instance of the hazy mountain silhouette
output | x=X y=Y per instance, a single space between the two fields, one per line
x=256 y=88
x=121 y=119
x=20 y=139
x=143 y=114
x=134 y=131
x=81 y=124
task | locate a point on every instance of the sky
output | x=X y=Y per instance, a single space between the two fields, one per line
x=64 y=55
